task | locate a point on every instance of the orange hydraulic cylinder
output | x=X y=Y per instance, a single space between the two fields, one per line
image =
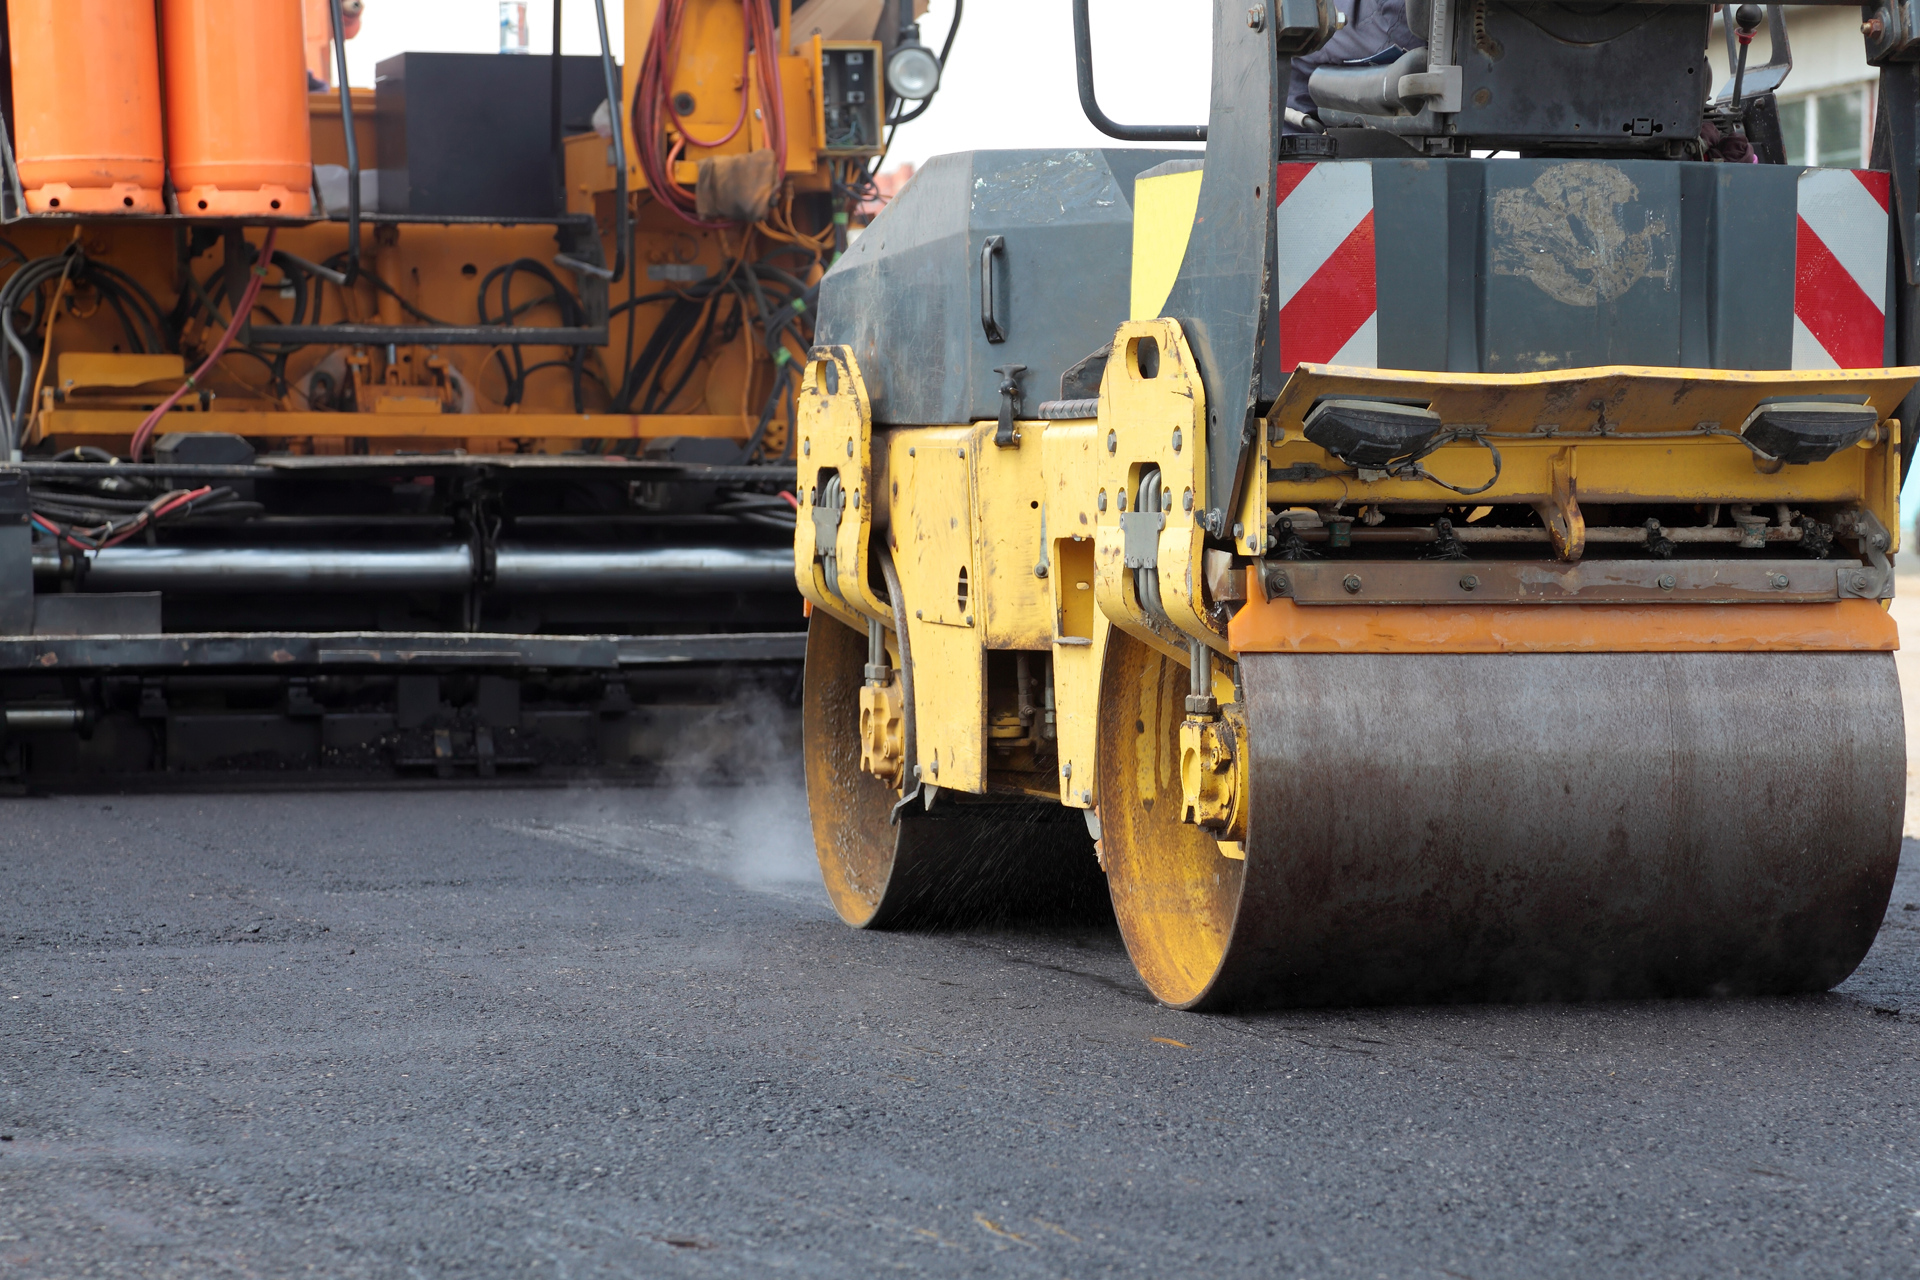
x=86 y=101
x=237 y=128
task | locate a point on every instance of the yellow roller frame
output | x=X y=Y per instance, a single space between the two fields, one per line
x=1023 y=546
x=1622 y=433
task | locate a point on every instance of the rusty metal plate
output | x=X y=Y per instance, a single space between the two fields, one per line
x=1377 y=582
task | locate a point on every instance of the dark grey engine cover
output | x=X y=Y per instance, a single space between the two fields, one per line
x=906 y=297
x=1508 y=266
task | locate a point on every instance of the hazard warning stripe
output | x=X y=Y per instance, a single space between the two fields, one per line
x=1840 y=270
x=1324 y=276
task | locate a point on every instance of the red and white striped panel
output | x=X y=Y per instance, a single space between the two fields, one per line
x=1324 y=272
x=1840 y=270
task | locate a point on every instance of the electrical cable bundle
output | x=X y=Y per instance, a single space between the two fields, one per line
x=25 y=310
x=654 y=113
x=197 y=303
x=92 y=522
x=573 y=314
x=780 y=305
x=241 y=311
x=769 y=510
x=786 y=323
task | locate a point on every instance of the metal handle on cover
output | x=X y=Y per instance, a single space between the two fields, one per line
x=1083 y=70
x=989 y=312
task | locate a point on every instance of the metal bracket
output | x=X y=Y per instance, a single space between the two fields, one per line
x=827 y=506
x=1443 y=73
x=1855 y=582
x=1142 y=532
x=1560 y=513
x=1871 y=583
x=1008 y=435
x=1892 y=31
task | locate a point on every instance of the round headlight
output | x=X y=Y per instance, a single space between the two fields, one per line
x=913 y=72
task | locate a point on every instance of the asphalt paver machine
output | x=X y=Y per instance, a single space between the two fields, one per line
x=435 y=426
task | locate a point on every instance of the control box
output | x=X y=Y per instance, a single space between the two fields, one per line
x=853 y=98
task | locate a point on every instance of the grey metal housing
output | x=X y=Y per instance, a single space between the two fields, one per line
x=1512 y=266
x=907 y=297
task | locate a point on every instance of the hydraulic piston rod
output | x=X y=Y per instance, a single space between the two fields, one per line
x=447 y=567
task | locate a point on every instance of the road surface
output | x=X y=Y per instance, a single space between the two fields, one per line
x=619 y=1033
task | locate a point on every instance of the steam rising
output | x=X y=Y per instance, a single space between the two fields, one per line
x=733 y=803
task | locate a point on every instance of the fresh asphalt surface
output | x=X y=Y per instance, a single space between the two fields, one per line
x=619 y=1033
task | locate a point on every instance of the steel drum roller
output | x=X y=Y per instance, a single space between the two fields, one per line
x=968 y=859
x=1525 y=826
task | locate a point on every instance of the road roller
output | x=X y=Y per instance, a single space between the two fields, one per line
x=438 y=426
x=1433 y=542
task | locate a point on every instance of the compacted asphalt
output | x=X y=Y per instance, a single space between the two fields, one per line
x=619 y=1033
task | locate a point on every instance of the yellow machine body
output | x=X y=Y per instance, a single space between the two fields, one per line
x=1014 y=569
x=1022 y=549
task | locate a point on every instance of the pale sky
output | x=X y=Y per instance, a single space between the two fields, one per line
x=1009 y=83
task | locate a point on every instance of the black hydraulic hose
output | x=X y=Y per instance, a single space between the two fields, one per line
x=644 y=300
x=793 y=282
x=571 y=313
x=1083 y=66
x=152 y=319
x=657 y=403
x=352 y=271
x=28 y=278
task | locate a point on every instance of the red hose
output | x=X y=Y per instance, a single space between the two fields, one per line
x=654 y=115
x=240 y=313
x=672 y=59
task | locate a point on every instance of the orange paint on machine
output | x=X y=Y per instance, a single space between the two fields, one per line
x=239 y=139
x=86 y=98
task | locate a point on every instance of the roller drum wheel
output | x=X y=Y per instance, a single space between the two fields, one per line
x=1511 y=827
x=968 y=860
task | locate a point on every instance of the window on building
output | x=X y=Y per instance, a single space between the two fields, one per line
x=1837 y=119
x=1827 y=129
x=1793 y=129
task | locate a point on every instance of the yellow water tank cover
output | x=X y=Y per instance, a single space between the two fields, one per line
x=1165 y=199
